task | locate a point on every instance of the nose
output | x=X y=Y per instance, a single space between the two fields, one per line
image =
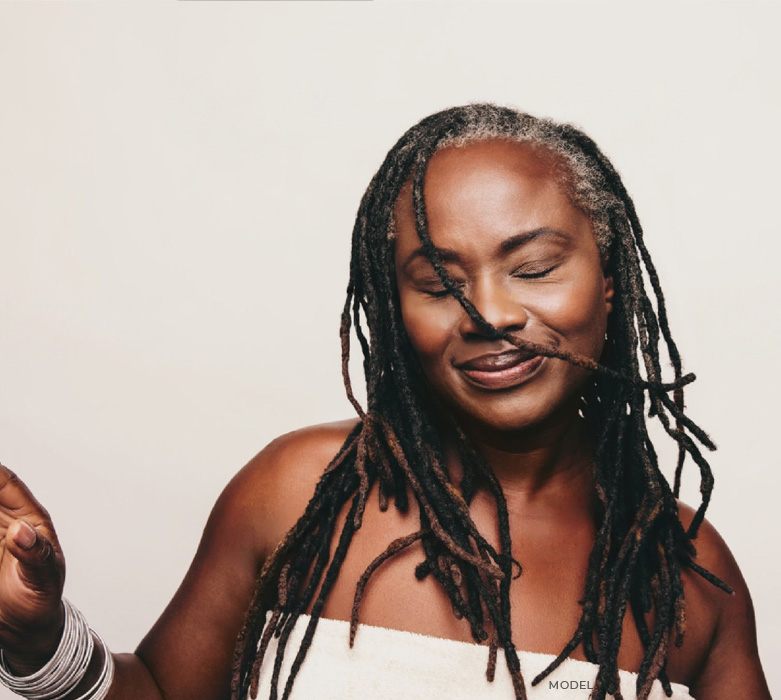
x=496 y=305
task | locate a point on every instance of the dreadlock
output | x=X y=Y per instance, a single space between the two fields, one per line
x=641 y=546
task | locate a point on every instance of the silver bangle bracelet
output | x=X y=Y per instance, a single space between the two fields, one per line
x=103 y=684
x=60 y=676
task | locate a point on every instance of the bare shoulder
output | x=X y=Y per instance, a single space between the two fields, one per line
x=722 y=625
x=255 y=510
x=714 y=555
x=271 y=491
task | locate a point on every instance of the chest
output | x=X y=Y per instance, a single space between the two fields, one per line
x=545 y=598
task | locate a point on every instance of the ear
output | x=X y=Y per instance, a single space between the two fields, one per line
x=609 y=292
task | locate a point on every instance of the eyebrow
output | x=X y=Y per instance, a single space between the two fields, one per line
x=506 y=247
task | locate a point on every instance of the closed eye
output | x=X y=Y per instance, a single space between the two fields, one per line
x=533 y=272
x=441 y=291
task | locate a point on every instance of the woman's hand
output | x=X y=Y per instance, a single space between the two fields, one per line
x=189 y=651
x=32 y=573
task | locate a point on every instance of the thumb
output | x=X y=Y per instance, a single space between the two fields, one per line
x=33 y=551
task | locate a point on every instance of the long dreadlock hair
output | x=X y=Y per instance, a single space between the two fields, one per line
x=641 y=546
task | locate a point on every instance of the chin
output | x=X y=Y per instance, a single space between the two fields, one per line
x=527 y=415
x=509 y=424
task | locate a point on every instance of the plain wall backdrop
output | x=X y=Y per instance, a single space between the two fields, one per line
x=177 y=190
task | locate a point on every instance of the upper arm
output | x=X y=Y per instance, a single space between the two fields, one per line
x=189 y=650
x=731 y=668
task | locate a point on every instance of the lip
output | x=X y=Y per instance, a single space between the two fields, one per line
x=494 y=361
x=502 y=370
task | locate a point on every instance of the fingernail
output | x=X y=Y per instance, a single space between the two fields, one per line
x=25 y=536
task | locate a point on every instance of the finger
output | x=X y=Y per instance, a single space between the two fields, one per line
x=39 y=565
x=17 y=498
x=15 y=495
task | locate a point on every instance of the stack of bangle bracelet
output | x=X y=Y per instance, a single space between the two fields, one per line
x=65 y=671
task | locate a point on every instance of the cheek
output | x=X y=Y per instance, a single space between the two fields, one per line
x=429 y=324
x=578 y=312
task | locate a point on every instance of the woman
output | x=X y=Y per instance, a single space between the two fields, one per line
x=499 y=487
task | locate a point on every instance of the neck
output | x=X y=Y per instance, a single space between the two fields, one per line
x=547 y=468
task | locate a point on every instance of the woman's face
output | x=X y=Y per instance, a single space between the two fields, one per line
x=527 y=259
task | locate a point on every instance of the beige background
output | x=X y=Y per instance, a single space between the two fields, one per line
x=177 y=188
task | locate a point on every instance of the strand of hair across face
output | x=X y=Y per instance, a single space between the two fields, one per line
x=640 y=547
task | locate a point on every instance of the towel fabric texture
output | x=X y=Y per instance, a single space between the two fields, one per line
x=387 y=664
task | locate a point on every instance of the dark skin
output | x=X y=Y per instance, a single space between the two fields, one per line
x=528 y=260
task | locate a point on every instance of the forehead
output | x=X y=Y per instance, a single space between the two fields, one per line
x=483 y=192
x=496 y=155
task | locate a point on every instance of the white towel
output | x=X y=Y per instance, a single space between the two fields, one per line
x=390 y=664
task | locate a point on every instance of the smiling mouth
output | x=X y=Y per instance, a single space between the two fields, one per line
x=502 y=370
